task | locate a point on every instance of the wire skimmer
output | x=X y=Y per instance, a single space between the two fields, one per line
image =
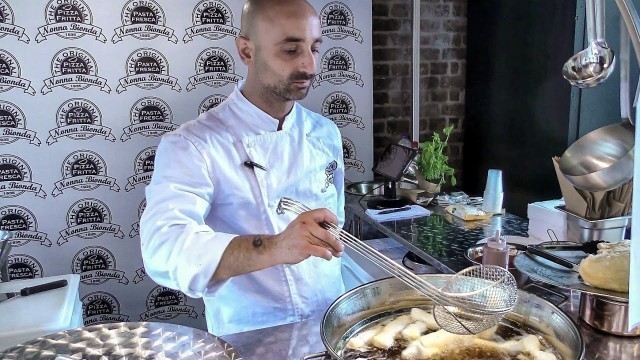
x=472 y=301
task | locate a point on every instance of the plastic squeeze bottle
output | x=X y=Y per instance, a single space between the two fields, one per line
x=496 y=251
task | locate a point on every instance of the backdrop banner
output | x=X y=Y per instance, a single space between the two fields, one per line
x=88 y=87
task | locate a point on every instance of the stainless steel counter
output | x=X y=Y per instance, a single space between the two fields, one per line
x=441 y=239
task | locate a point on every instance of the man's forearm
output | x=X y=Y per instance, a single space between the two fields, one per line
x=245 y=254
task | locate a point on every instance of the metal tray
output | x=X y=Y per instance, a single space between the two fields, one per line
x=125 y=340
x=548 y=272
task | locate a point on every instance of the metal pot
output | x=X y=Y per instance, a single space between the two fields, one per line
x=606 y=314
x=375 y=188
x=378 y=299
x=474 y=254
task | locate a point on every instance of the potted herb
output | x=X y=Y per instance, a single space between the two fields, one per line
x=433 y=163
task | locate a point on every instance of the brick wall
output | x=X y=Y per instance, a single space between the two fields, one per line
x=442 y=71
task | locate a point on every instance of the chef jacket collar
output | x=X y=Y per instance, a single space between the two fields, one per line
x=261 y=121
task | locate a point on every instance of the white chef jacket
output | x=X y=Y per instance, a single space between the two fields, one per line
x=201 y=196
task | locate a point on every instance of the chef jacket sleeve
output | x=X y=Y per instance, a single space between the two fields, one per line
x=178 y=249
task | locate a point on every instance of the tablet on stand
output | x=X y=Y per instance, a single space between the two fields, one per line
x=392 y=164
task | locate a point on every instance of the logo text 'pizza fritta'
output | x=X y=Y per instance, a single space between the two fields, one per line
x=101 y=307
x=213 y=20
x=338 y=67
x=70 y=20
x=337 y=22
x=74 y=69
x=88 y=219
x=97 y=265
x=79 y=119
x=84 y=170
x=215 y=67
x=341 y=108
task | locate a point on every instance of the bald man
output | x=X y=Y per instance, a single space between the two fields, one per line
x=211 y=227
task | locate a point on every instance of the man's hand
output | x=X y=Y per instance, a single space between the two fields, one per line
x=305 y=237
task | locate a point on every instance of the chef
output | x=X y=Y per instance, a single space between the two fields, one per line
x=211 y=229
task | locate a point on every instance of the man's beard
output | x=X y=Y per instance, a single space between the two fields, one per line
x=287 y=90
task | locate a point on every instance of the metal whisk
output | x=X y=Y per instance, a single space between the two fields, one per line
x=472 y=301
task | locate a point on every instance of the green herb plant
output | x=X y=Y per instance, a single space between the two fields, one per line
x=432 y=162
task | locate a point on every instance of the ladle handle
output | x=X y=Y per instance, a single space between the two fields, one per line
x=599 y=19
x=625 y=109
x=590 y=17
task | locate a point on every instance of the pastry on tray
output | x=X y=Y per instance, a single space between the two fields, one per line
x=609 y=268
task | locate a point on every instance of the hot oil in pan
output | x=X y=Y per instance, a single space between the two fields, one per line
x=507 y=329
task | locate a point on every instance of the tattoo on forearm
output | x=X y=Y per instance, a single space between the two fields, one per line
x=257 y=241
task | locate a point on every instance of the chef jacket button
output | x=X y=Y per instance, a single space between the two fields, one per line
x=308 y=134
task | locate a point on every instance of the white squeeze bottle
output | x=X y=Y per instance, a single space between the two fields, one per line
x=496 y=251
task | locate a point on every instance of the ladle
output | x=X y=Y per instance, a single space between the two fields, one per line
x=596 y=62
x=603 y=159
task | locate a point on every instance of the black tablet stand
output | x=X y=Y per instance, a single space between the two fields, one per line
x=390 y=200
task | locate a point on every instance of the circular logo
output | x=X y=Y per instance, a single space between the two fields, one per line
x=83 y=163
x=78 y=112
x=337 y=59
x=150 y=110
x=162 y=296
x=68 y=11
x=8 y=67
x=13 y=168
x=338 y=103
x=348 y=148
x=23 y=266
x=212 y=12
x=336 y=14
x=215 y=60
x=145 y=160
x=88 y=211
x=211 y=102
x=6 y=15
x=17 y=218
x=99 y=303
x=143 y=12
x=73 y=61
x=147 y=61
x=93 y=258
x=11 y=116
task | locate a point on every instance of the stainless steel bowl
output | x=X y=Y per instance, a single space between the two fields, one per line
x=375 y=188
x=372 y=301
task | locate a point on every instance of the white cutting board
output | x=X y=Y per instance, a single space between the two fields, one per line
x=29 y=317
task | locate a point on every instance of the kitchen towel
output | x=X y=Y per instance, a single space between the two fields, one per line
x=414 y=211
